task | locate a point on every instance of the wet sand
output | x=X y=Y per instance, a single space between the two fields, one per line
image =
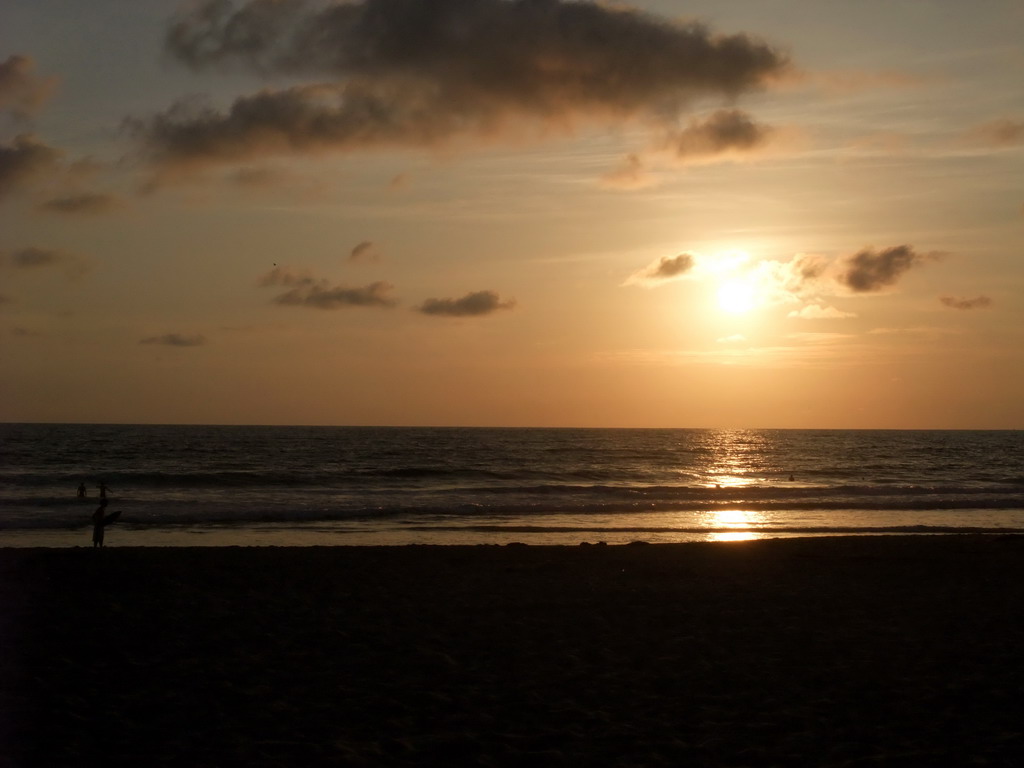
x=796 y=652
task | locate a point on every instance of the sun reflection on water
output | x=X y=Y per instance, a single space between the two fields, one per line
x=739 y=525
x=739 y=458
x=735 y=536
x=735 y=463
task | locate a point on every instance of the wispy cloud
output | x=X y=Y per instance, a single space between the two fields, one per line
x=85 y=203
x=853 y=81
x=33 y=258
x=631 y=173
x=1000 y=133
x=808 y=350
x=22 y=91
x=400 y=182
x=471 y=305
x=286 y=276
x=23 y=160
x=176 y=340
x=364 y=251
x=820 y=312
x=978 y=302
x=256 y=177
x=725 y=135
x=421 y=74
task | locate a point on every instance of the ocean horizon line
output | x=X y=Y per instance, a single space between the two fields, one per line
x=242 y=425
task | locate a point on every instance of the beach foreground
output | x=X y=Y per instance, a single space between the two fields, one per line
x=827 y=651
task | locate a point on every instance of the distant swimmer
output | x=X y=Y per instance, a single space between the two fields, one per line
x=791 y=478
x=81 y=490
x=103 y=490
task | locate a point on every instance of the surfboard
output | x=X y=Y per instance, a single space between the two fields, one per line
x=112 y=518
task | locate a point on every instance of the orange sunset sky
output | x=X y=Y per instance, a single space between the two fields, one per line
x=769 y=213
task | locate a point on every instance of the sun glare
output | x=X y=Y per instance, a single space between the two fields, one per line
x=737 y=296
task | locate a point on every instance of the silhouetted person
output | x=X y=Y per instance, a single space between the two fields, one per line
x=81 y=490
x=791 y=478
x=103 y=490
x=98 y=521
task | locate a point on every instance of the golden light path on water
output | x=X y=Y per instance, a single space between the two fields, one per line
x=730 y=469
x=745 y=523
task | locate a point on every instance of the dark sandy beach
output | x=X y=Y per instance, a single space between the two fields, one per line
x=800 y=652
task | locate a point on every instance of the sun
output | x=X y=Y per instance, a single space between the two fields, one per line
x=737 y=296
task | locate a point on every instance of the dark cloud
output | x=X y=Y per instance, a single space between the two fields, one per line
x=321 y=295
x=978 y=302
x=302 y=119
x=470 y=305
x=406 y=72
x=317 y=293
x=535 y=52
x=727 y=130
x=32 y=258
x=86 y=203
x=212 y=31
x=176 y=340
x=22 y=92
x=364 y=251
x=808 y=267
x=22 y=160
x=871 y=270
x=669 y=267
x=663 y=270
x=725 y=133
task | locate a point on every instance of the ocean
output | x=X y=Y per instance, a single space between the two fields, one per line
x=241 y=485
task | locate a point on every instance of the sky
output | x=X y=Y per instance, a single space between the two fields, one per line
x=718 y=214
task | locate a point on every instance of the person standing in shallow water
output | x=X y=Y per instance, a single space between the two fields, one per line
x=98 y=521
x=81 y=490
x=103 y=491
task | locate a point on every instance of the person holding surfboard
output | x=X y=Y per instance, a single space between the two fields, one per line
x=100 y=520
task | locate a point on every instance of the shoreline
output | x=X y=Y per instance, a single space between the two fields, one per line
x=795 y=651
x=347 y=534
x=206 y=541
